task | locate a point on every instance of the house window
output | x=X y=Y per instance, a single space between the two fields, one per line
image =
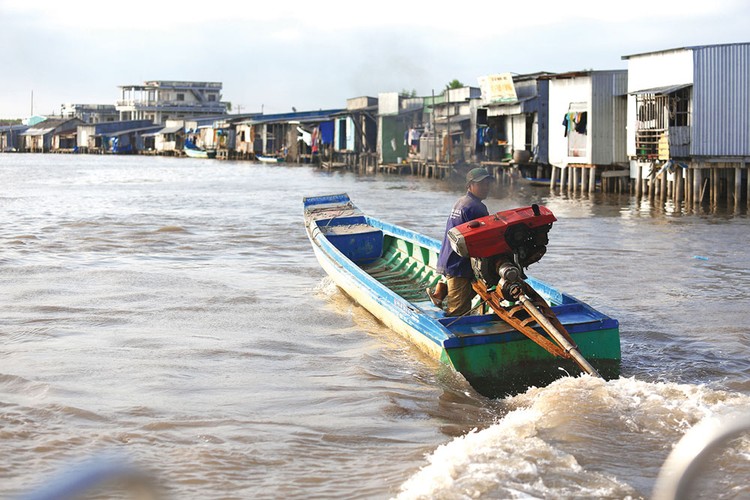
x=180 y=97
x=679 y=108
x=576 y=129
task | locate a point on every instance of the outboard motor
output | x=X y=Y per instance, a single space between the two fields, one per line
x=502 y=245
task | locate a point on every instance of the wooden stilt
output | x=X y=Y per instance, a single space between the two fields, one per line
x=737 y=188
x=574 y=184
x=670 y=186
x=592 y=179
x=651 y=182
x=563 y=178
x=714 y=187
x=679 y=187
x=553 y=178
x=697 y=187
x=729 y=184
x=638 y=180
x=584 y=181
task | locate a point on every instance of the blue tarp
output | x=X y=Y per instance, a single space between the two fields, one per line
x=326 y=132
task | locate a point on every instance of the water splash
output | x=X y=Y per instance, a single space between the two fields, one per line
x=576 y=437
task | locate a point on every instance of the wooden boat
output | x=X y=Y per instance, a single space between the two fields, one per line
x=199 y=153
x=332 y=165
x=387 y=268
x=537 y=181
x=268 y=159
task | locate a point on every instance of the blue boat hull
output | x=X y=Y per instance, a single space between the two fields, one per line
x=358 y=253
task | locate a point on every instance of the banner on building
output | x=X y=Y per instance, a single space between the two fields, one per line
x=498 y=88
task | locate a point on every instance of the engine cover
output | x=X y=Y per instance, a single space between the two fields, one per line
x=504 y=233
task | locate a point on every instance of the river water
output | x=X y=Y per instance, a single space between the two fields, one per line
x=170 y=312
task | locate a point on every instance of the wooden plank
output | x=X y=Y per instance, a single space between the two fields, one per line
x=616 y=173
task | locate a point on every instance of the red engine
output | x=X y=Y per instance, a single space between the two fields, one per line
x=517 y=236
x=501 y=233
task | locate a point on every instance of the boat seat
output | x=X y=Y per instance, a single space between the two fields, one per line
x=360 y=242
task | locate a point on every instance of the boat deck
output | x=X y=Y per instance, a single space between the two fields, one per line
x=405 y=268
x=408 y=269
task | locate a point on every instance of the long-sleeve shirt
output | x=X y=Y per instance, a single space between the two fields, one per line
x=466 y=209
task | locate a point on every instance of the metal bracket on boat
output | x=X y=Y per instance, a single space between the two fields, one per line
x=533 y=309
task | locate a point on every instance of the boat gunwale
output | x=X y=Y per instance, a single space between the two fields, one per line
x=397 y=305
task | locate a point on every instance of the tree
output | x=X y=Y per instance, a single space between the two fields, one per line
x=406 y=93
x=454 y=84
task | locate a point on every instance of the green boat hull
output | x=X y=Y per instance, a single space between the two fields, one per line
x=501 y=368
x=386 y=268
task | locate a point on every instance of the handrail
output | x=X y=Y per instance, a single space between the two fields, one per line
x=689 y=456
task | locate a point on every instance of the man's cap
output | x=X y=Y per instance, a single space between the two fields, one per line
x=477 y=174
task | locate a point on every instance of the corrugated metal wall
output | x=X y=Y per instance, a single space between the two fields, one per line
x=721 y=101
x=608 y=118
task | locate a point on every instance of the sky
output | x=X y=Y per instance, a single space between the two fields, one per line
x=272 y=56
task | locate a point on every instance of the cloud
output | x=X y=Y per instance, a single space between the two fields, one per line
x=318 y=54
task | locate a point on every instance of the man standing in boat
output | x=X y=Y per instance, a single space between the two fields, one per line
x=455 y=268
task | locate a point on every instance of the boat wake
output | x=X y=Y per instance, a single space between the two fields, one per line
x=326 y=288
x=581 y=437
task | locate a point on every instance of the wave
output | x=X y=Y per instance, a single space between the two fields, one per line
x=577 y=437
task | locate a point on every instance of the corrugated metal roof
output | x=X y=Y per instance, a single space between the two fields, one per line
x=13 y=128
x=170 y=130
x=689 y=47
x=668 y=89
x=454 y=119
x=508 y=103
x=300 y=116
x=128 y=131
x=37 y=131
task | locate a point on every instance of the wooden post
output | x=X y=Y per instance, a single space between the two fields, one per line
x=574 y=183
x=572 y=176
x=737 y=188
x=679 y=188
x=585 y=180
x=638 y=180
x=670 y=184
x=663 y=188
x=582 y=180
x=592 y=179
x=697 y=180
x=714 y=187
x=729 y=178
x=563 y=178
x=553 y=178
x=651 y=182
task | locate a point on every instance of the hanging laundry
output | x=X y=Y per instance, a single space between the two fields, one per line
x=326 y=132
x=304 y=136
x=581 y=122
x=414 y=135
x=314 y=139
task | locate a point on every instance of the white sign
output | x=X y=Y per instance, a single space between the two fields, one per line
x=498 y=88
